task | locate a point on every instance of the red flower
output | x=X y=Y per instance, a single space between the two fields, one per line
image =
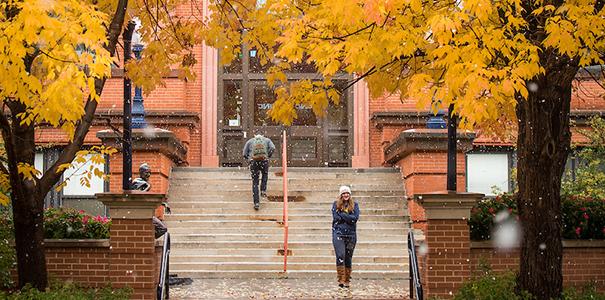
x=583 y=209
x=578 y=231
x=85 y=219
x=585 y=215
x=491 y=210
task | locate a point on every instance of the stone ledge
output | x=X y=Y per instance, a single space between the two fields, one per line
x=566 y=244
x=447 y=205
x=76 y=243
x=155 y=140
x=425 y=140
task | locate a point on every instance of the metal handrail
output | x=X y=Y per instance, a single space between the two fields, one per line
x=415 y=284
x=163 y=288
x=285 y=213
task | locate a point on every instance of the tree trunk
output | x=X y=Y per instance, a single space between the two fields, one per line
x=29 y=238
x=543 y=146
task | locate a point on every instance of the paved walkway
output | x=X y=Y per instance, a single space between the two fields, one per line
x=289 y=289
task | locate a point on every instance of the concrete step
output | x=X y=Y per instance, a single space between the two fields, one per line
x=197 y=225
x=292 y=244
x=246 y=204
x=302 y=274
x=327 y=259
x=228 y=237
x=277 y=266
x=293 y=197
x=366 y=230
x=309 y=195
x=293 y=210
x=261 y=216
x=275 y=185
x=360 y=250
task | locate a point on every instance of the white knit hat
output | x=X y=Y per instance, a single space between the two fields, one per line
x=344 y=189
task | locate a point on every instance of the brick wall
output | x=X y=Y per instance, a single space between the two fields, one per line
x=161 y=166
x=85 y=263
x=444 y=265
x=583 y=261
x=133 y=257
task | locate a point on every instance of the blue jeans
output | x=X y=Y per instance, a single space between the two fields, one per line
x=344 y=245
x=256 y=167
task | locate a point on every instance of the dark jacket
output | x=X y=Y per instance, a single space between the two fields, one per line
x=344 y=223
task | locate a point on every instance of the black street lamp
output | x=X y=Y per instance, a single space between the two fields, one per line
x=452 y=123
x=138 y=110
x=436 y=122
x=127 y=119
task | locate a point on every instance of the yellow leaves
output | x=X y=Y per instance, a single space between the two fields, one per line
x=65 y=39
x=87 y=164
x=28 y=171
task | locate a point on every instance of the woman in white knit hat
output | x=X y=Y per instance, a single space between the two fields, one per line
x=345 y=213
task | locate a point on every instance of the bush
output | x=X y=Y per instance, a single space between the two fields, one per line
x=589 y=180
x=489 y=286
x=61 y=223
x=68 y=291
x=481 y=222
x=582 y=217
x=7 y=251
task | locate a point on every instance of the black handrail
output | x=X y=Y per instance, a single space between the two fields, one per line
x=163 y=290
x=415 y=284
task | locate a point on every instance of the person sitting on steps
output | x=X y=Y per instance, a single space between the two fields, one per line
x=257 y=152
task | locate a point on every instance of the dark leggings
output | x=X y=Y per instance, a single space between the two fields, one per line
x=344 y=245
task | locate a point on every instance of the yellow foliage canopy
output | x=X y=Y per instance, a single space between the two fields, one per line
x=476 y=54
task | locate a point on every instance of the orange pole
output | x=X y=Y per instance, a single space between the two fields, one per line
x=285 y=216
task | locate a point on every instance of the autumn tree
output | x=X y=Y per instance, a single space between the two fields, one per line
x=55 y=57
x=502 y=64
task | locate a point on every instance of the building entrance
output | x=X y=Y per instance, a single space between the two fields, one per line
x=244 y=102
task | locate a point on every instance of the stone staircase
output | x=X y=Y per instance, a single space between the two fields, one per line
x=216 y=233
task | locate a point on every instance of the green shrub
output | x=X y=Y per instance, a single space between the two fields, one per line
x=7 y=251
x=582 y=217
x=490 y=287
x=68 y=291
x=481 y=222
x=587 y=293
x=589 y=179
x=61 y=223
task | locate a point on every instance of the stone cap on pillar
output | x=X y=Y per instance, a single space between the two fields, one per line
x=448 y=205
x=131 y=204
x=154 y=140
x=425 y=140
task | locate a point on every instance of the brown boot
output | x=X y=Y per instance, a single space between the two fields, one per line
x=340 y=271
x=347 y=277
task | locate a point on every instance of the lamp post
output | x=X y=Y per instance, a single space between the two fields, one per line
x=138 y=110
x=436 y=122
x=127 y=120
x=452 y=123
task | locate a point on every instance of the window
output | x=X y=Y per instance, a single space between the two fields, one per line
x=486 y=171
x=75 y=173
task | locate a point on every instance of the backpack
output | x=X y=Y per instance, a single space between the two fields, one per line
x=259 y=149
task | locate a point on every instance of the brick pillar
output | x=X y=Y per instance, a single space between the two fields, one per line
x=446 y=263
x=159 y=148
x=132 y=258
x=421 y=155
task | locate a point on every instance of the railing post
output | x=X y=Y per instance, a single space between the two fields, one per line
x=285 y=188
